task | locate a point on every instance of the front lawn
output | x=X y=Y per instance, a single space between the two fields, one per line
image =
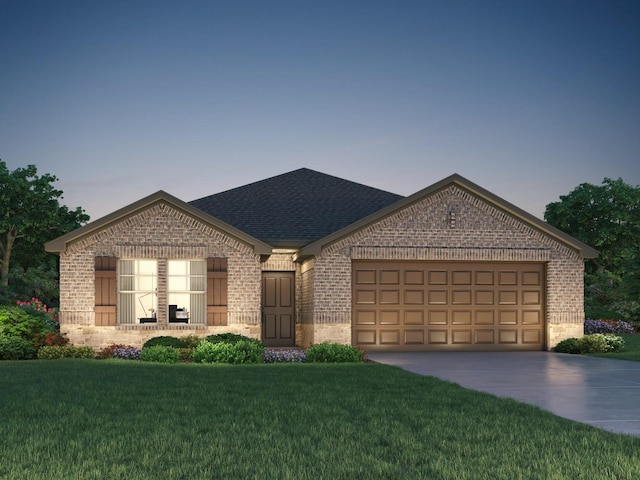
x=116 y=419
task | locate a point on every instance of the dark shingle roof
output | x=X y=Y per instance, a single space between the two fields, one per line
x=295 y=208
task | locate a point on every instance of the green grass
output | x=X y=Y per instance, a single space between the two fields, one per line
x=89 y=419
x=631 y=349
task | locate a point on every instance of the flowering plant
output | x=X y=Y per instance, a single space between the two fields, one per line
x=36 y=307
x=126 y=353
x=284 y=356
x=50 y=339
x=607 y=326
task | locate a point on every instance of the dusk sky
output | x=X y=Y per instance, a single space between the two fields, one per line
x=120 y=99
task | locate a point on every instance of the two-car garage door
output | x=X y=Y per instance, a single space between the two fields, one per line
x=414 y=306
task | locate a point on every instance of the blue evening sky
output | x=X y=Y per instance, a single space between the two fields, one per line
x=120 y=99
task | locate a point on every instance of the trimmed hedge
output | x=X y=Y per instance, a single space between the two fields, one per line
x=593 y=343
x=327 y=352
x=235 y=352
x=57 y=351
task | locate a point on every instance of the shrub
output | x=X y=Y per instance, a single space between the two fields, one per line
x=16 y=348
x=107 y=352
x=126 y=353
x=36 y=308
x=570 y=345
x=334 y=353
x=160 y=354
x=54 y=352
x=592 y=343
x=185 y=354
x=237 y=352
x=165 y=341
x=17 y=322
x=607 y=326
x=50 y=339
x=284 y=356
x=231 y=338
x=190 y=341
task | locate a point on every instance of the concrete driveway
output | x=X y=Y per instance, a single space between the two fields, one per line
x=601 y=392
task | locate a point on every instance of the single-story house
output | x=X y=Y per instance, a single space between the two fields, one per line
x=304 y=257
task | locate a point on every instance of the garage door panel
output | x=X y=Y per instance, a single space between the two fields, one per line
x=417 y=305
x=531 y=297
x=438 y=337
x=461 y=277
x=484 y=317
x=365 y=277
x=414 y=297
x=414 y=277
x=389 y=337
x=389 y=277
x=507 y=297
x=531 y=278
x=414 y=317
x=390 y=317
x=507 y=278
x=438 y=297
x=438 y=317
x=461 y=317
x=484 y=297
x=531 y=336
x=414 y=337
x=531 y=317
x=365 y=297
x=485 y=336
x=461 y=297
x=508 y=317
x=484 y=277
x=365 y=337
x=390 y=297
x=508 y=336
x=459 y=337
x=438 y=277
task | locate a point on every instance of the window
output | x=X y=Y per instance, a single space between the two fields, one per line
x=186 y=291
x=137 y=290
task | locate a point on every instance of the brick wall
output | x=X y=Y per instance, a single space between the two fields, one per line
x=449 y=225
x=159 y=232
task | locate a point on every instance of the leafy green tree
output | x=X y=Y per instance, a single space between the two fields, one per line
x=30 y=216
x=606 y=217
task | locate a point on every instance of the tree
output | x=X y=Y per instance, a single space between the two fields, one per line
x=30 y=215
x=606 y=217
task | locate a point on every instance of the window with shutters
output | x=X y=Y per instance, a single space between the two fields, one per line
x=128 y=291
x=137 y=291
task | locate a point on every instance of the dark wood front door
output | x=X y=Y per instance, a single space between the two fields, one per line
x=278 y=325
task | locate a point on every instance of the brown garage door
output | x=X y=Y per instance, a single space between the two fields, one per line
x=448 y=306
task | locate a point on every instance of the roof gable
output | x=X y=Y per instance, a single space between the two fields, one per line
x=583 y=249
x=60 y=244
x=295 y=208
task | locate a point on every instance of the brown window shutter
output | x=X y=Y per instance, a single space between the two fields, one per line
x=216 y=291
x=106 y=291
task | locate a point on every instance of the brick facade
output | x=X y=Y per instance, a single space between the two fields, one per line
x=451 y=224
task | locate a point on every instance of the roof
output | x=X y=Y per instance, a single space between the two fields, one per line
x=295 y=208
x=60 y=244
x=582 y=248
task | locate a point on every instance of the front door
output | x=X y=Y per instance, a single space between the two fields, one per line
x=278 y=325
